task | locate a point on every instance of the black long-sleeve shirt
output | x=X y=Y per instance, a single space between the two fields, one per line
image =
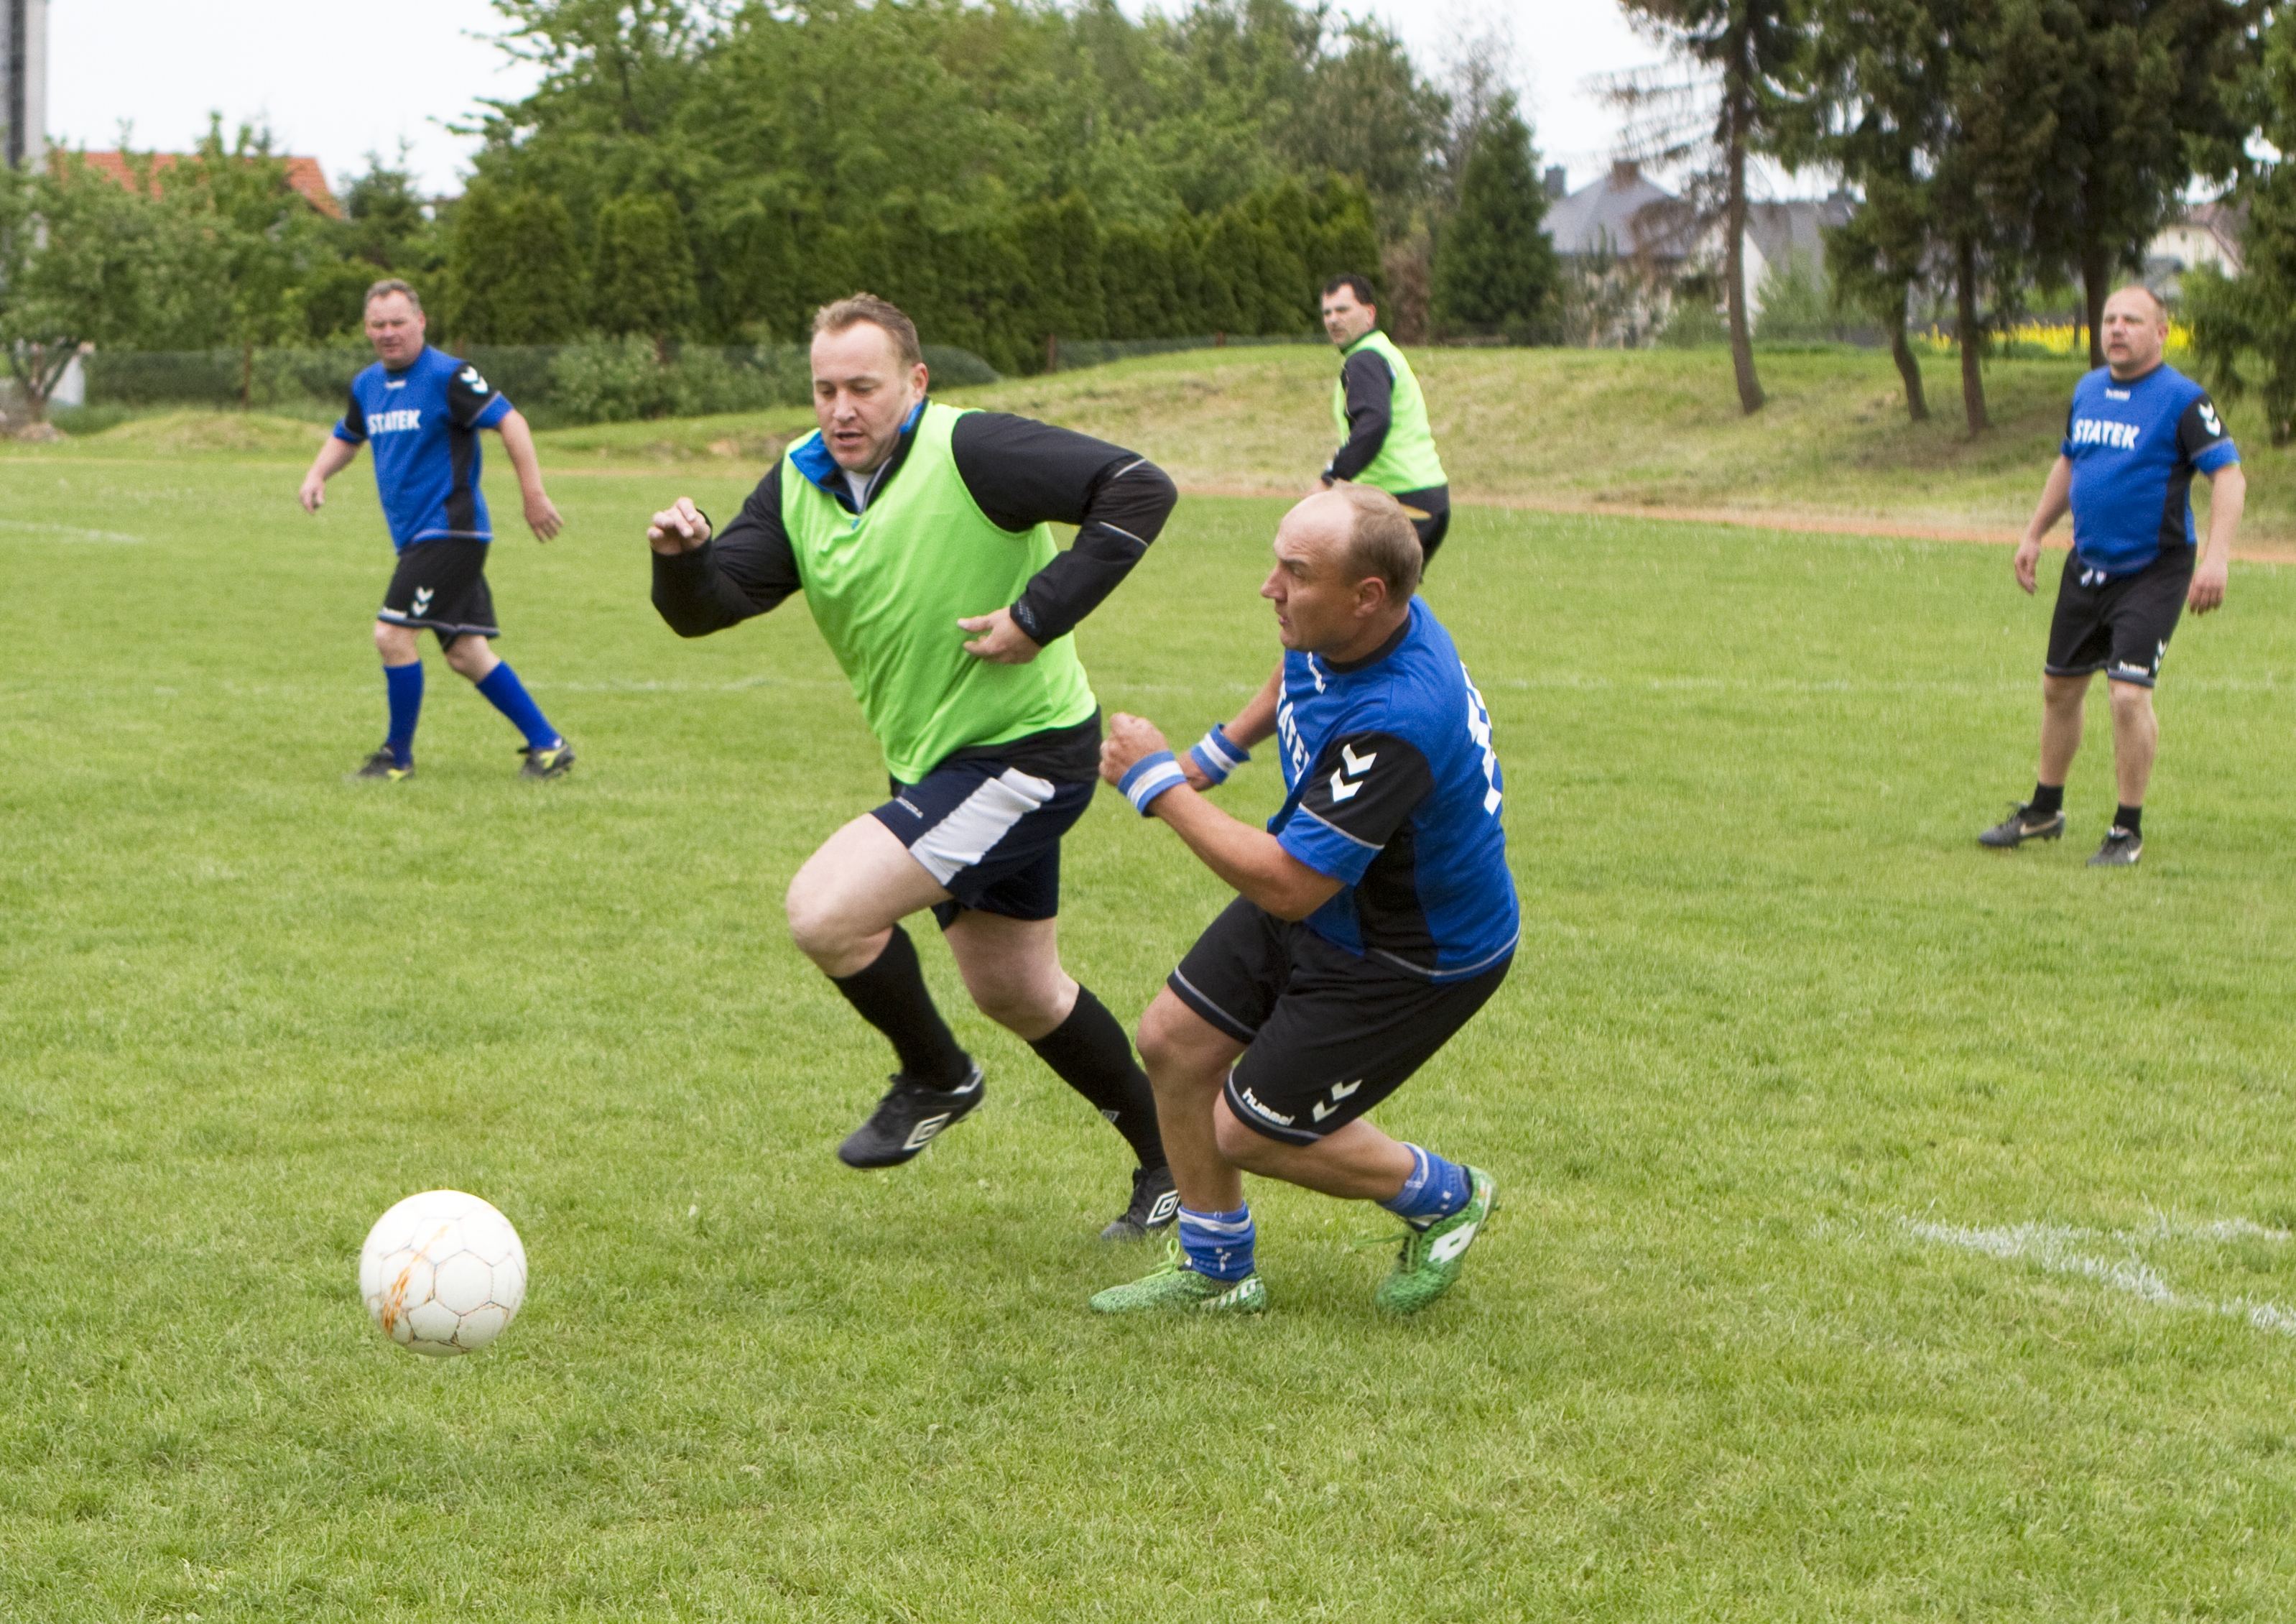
x=1370 y=384
x=1020 y=471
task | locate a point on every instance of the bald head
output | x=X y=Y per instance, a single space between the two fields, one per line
x=2135 y=330
x=1347 y=562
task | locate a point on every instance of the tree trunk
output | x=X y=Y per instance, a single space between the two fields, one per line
x=1966 y=331
x=2097 y=272
x=1909 y=366
x=1734 y=264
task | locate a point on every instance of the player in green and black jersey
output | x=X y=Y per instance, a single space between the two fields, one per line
x=1382 y=417
x=919 y=535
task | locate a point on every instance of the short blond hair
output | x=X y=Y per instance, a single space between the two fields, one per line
x=855 y=309
x=1381 y=539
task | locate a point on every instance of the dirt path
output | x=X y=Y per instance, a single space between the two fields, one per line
x=2265 y=550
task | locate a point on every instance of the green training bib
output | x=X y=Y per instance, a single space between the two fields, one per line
x=887 y=587
x=1406 y=461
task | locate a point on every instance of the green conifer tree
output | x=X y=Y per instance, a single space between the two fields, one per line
x=643 y=282
x=1495 y=268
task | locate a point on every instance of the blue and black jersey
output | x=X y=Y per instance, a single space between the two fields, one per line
x=1396 y=793
x=424 y=424
x=2135 y=447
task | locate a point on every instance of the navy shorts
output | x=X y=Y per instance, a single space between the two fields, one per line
x=1330 y=1035
x=441 y=586
x=2119 y=624
x=989 y=833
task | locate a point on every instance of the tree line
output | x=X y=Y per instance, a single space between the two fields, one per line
x=1017 y=172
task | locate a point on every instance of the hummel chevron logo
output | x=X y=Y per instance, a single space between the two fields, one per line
x=422 y=600
x=1352 y=766
x=1339 y=1091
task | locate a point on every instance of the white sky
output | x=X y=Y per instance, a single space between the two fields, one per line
x=339 y=81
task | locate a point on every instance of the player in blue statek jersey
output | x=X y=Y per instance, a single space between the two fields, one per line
x=2137 y=433
x=1376 y=915
x=422 y=411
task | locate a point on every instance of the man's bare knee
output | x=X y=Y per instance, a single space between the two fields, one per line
x=2130 y=699
x=818 y=923
x=1169 y=1031
x=2060 y=693
x=1240 y=1144
x=471 y=656
x=395 y=644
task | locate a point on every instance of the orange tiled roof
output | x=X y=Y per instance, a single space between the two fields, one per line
x=303 y=174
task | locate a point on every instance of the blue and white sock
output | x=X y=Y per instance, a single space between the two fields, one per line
x=507 y=694
x=1435 y=1190
x=1219 y=1244
x=404 y=683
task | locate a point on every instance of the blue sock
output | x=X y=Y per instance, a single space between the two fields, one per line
x=507 y=694
x=1435 y=1190
x=1218 y=1243
x=405 y=685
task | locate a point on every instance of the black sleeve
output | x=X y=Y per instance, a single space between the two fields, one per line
x=469 y=396
x=355 y=419
x=1367 y=785
x=1370 y=383
x=2199 y=429
x=1023 y=473
x=743 y=571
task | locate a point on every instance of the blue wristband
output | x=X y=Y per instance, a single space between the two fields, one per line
x=1150 y=776
x=1217 y=754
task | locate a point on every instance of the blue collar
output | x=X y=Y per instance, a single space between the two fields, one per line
x=814 y=462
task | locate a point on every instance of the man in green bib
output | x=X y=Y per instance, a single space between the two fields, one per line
x=919 y=534
x=1382 y=417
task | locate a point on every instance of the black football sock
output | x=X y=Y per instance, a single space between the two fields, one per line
x=1091 y=1054
x=2131 y=818
x=892 y=995
x=2048 y=799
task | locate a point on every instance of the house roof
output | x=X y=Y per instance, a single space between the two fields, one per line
x=1622 y=213
x=303 y=175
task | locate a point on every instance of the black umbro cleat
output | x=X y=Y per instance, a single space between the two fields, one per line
x=2120 y=849
x=546 y=761
x=382 y=763
x=1155 y=1204
x=2020 y=826
x=909 y=1119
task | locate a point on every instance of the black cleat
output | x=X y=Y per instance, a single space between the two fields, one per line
x=2120 y=849
x=546 y=761
x=382 y=763
x=907 y=1119
x=1155 y=1204
x=2020 y=826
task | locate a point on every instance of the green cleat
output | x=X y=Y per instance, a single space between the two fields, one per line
x=546 y=761
x=1429 y=1263
x=1173 y=1287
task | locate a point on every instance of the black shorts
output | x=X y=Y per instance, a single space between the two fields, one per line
x=441 y=586
x=1435 y=503
x=2120 y=625
x=1331 y=1035
x=989 y=833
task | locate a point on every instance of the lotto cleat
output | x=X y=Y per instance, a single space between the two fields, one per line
x=1155 y=1204
x=546 y=761
x=384 y=765
x=1429 y=1263
x=2120 y=849
x=909 y=1119
x=2020 y=826
x=1172 y=1287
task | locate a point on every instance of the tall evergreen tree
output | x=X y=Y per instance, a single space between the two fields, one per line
x=1494 y=265
x=644 y=280
x=516 y=269
x=2244 y=325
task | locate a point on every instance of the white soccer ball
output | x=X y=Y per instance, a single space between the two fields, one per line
x=442 y=1273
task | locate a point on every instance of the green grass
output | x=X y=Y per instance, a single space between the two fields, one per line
x=1774 y=1007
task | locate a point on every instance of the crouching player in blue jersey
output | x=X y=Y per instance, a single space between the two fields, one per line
x=423 y=411
x=1376 y=915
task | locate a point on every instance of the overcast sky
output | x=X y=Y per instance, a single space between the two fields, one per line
x=339 y=81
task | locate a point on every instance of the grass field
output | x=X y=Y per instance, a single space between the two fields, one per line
x=1891 y=1230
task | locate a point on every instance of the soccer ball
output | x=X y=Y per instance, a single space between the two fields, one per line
x=442 y=1273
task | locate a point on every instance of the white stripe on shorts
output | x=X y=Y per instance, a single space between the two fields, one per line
x=983 y=819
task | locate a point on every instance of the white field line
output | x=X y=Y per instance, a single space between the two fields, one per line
x=2059 y=1249
x=69 y=532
